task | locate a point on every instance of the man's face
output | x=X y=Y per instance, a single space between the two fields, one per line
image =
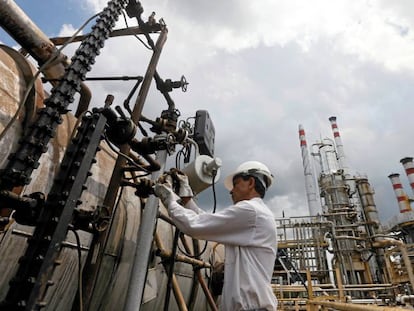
x=241 y=188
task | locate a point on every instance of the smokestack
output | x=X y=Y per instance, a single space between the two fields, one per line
x=409 y=170
x=403 y=202
x=312 y=195
x=339 y=146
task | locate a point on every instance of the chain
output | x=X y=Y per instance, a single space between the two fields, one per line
x=22 y=163
x=32 y=279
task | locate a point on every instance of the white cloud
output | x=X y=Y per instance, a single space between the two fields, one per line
x=67 y=30
x=261 y=68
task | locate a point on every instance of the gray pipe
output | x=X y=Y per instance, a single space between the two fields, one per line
x=144 y=244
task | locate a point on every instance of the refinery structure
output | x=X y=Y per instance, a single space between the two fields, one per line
x=341 y=253
x=80 y=228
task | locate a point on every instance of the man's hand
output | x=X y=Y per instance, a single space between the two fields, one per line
x=165 y=193
x=185 y=190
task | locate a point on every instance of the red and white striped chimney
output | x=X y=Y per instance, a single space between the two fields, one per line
x=339 y=146
x=409 y=170
x=402 y=198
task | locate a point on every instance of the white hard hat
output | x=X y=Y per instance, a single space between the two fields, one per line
x=253 y=168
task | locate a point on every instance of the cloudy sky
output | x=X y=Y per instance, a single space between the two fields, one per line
x=261 y=68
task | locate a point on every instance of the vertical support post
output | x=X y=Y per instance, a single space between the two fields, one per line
x=310 y=287
x=340 y=285
x=144 y=244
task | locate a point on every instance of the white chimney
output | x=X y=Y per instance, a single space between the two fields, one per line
x=312 y=194
x=339 y=146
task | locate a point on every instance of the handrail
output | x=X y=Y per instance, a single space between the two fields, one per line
x=314 y=306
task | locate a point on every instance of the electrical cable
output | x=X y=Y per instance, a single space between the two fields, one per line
x=139 y=39
x=198 y=255
x=109 y=228
x=177 y=162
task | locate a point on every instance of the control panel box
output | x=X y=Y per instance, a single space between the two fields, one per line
x=204 y=133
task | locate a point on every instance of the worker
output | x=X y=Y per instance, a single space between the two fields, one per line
x=247 y=230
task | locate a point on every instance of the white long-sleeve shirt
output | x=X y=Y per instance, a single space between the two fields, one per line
x=248 y=231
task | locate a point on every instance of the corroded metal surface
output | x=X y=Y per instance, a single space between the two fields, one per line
x=16 y=73
x=109 y=290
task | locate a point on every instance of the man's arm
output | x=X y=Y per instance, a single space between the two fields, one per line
x=192 y=205
x=233 y=225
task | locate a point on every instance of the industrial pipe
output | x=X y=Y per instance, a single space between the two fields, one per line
x=144 y=244
x=192 y=261
x=148 y=220
x=210 y=299
x=26 y=33
x=176 y=289
x=406 y=258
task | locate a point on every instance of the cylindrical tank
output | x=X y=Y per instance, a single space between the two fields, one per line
x=110 y=288
x=329 y=162
x=16 y=74
x=120 y=246
x=367 y=200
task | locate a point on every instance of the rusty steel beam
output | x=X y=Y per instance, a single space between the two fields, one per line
x=130 y=31
x=32 y=39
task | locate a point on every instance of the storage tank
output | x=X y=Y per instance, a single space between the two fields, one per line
x=94 y=261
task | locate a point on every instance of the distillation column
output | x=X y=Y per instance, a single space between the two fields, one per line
x=352 y=219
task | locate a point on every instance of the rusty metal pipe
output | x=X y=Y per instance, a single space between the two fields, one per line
x=200 y=278
x=26 y=33
x=35 y=42
x=176 y=289
x=84 y=100
x=207 y=293
x=22 y=29
x=178 y=294
x=180 y=258
x=149 y=75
